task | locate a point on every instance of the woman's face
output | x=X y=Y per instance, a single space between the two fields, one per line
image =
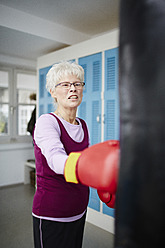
x=68 y=98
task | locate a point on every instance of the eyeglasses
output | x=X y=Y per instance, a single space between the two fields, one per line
x=67 y=85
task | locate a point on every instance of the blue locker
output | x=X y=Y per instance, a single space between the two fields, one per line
x=111 y=100
x=90 y=108
x=111 y=95
x=45 y=100
x=94 y=201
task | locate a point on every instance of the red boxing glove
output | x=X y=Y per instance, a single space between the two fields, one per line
x=96 y=166
x=107 y=198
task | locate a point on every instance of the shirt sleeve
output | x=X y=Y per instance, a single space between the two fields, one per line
x=47 y=137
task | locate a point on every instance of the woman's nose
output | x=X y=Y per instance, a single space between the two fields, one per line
x=72 y=88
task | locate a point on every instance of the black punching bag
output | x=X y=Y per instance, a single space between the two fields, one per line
x=140 y=204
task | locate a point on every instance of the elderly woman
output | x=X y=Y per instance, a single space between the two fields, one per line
x=59 y=207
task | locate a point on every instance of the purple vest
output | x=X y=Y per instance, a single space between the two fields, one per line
x=55 y=197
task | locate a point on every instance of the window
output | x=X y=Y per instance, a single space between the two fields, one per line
x=17 y=91
x=25 y=89
x=4 y=103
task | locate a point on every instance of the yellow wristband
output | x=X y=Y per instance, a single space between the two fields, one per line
x=70 y=167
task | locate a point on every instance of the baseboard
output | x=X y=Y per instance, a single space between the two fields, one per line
x=101 y=220
x=11 y=185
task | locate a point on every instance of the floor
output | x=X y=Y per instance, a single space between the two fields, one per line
x=16 y=221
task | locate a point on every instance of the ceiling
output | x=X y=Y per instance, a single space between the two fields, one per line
x=32 y=28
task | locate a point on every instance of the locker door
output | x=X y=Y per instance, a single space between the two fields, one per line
x=111 y=96
x=111 y=102
x=45 y=100
x=90 y=108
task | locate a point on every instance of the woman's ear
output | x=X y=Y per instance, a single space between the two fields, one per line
x=53 y=93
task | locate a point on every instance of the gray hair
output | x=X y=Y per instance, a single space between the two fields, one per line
x=60 y=70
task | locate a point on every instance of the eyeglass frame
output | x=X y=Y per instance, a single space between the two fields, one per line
x=81 y=83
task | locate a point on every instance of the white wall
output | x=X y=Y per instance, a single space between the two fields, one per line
x=12 y=160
